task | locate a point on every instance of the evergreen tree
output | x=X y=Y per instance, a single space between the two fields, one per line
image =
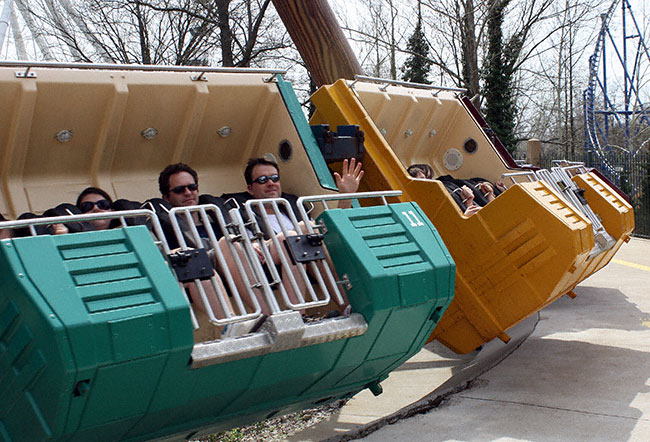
x=418 y=64
x=498 y=78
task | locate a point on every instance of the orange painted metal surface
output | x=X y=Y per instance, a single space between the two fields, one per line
x=518 y=254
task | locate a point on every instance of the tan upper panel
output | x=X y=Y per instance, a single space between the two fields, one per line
x=241 y=121
x=428 y=126
x=124 y=127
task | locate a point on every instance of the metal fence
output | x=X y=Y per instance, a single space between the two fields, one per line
x=630 y=173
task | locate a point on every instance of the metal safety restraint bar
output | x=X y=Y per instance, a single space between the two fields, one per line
x=160 y=240
x=274 y=253
x=243 y=309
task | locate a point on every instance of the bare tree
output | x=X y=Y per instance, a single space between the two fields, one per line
x=552 y=82
x=180 y=32
x=380 y=33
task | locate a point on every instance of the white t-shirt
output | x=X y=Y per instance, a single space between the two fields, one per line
x=275 y=224
x=284 y=219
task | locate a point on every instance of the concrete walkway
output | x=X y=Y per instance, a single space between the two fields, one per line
x=580 y=370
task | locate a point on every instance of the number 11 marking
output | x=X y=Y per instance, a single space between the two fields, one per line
x=416 y=223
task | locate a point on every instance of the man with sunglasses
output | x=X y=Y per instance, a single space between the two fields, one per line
x=262 y=177
x=179 y=186
x=263 y=181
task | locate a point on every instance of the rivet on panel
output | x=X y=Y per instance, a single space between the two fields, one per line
x=20 y=275
x=150 y=133
x=224 y=131
x=408 y=133
x=432 y=133
x=63 y=136
x=383 y=131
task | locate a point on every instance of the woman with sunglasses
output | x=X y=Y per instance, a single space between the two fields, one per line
x=95 y=200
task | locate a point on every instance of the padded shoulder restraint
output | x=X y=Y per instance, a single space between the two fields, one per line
x=162 y=208
x=478 y=180
x=67 y=209
x=478 y=195
x=223 y=205
x=453 y=189
x=24 y=231
x=123 y=204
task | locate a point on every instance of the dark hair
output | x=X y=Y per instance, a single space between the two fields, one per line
x=248 y=173
x=95 y=190
x=172 y=169
x=424 y=168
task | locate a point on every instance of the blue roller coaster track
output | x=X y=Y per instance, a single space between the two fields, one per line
x=616 y=117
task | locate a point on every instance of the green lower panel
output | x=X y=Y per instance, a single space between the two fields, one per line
x=96 y=337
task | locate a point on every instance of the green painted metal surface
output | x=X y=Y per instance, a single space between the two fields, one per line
x=305 y=133
x=96 y=337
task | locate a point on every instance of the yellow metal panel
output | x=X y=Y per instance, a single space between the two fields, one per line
x=424 y=125
x=516 y=255
x=616 y=214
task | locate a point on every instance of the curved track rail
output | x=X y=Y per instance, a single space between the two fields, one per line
x=615 y=122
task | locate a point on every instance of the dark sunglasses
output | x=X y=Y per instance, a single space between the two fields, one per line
x=264 y=178
x=181 y=189
x=87 y=206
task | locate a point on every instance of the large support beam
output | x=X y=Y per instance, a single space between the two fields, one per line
x=319 y=39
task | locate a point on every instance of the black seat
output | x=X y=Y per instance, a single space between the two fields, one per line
x=24 y=231
x=124 y=204
x=162 y=208
x=453 y=189
x=453 y=184
x=64 y=209
x=478 y=180
x=224 y=205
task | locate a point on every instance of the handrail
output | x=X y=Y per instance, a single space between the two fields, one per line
x=121 y=214
x=341 y=196
x=405 y=83
x=137 y=67
x=512 y=175
x=569 y=163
